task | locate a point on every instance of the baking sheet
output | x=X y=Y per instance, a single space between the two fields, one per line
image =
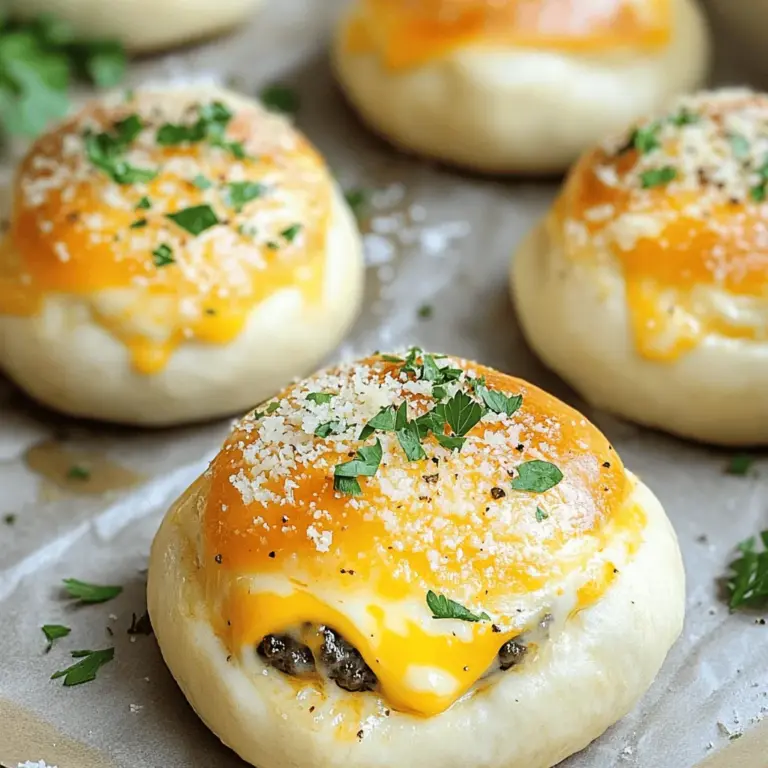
x=437 y=239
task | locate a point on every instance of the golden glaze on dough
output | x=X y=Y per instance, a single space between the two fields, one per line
x=408 y=33
x=687 y=244
x=71 y=229
x=281 y=547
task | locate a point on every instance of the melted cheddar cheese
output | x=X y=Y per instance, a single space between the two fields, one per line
x=408 y=33
x=680 y=203
x=280 y=547
x=92 y=219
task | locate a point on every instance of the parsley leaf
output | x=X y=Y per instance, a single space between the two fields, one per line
x=90 y=593
x=684 y=117
x=450 y=442
x=321 y=398
x=105 y=151
x=646 y=139
x=536 y=476
x=76 y=472
x=54 y=632
x=162 y=256
x=144 y=204
x=290 y=233
x=748 y=580
x=365 y=464
x=201 y=182
x=138 y=224
x=272 y=407
x=280 y=98
x=443 y=607
x=410 y=441
x=85 y=670
x=196 y=219
x=739 y=145
x=38 y=59
x=498 y=402
x=425 y=311
x=657 y=177
x=241 y=192
x=739 y=465
x=541 y=515
x=329 y=428
x=462 y=413
x=357 y=200
x=385 y=420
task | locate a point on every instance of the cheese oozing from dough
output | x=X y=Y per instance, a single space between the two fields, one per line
x=680 y=203
x=171 y=215
x=408 y=33
x=439 y=512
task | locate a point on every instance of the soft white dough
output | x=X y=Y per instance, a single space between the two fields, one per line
x=67 y=361
x=587 y=678
x=141 y=25
x=576 y=318
x=518 y=110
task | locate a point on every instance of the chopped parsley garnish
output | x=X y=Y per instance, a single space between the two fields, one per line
x=425 y=311
x=357 y=200
x=241 y=192
x=541 y=515
x=758 y=192
x=53 y=632
x=105 y=151
x=329 y=428
x=39 y=57
x=76 y=472
x=385 y=420
x=410 y=441
x=90 y=593
x=644 y=139
x=365 y=464
x=443 y=607
x=657 y=177
x=9 y=519
x=210 y=126
x=739 y=145
x=392 y=359
x=201 y=182
x=280 y=98
x=498 y=402
x=196 y=219
x=462 y=413
x=144 y=204
x=138 y=224
x=291 y=232
x=86 y=669
x=739 y=465
x=451 y=442
x=272 y=407
x=748 y=580
x=141 y=625
x=684 y=117
x=536 y=476
x=162 y=256
x=321 y=398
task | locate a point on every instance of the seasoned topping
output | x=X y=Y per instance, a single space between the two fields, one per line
x=190 y=206
x=680 y=201
x=395 y=499
x=412 y=32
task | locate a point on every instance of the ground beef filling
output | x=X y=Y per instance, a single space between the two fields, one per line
x=341 y=662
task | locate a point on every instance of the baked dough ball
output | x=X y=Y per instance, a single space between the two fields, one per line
x=646 y=286
x=141 y=25
x=395 y=559
x=173 y=255
x=514 y=85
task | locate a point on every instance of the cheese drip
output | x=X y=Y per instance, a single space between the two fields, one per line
x=143 y=277
x=410 y=33
x=281 y=547
x=680 y=203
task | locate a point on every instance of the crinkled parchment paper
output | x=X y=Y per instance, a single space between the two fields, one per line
x=436 y=238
